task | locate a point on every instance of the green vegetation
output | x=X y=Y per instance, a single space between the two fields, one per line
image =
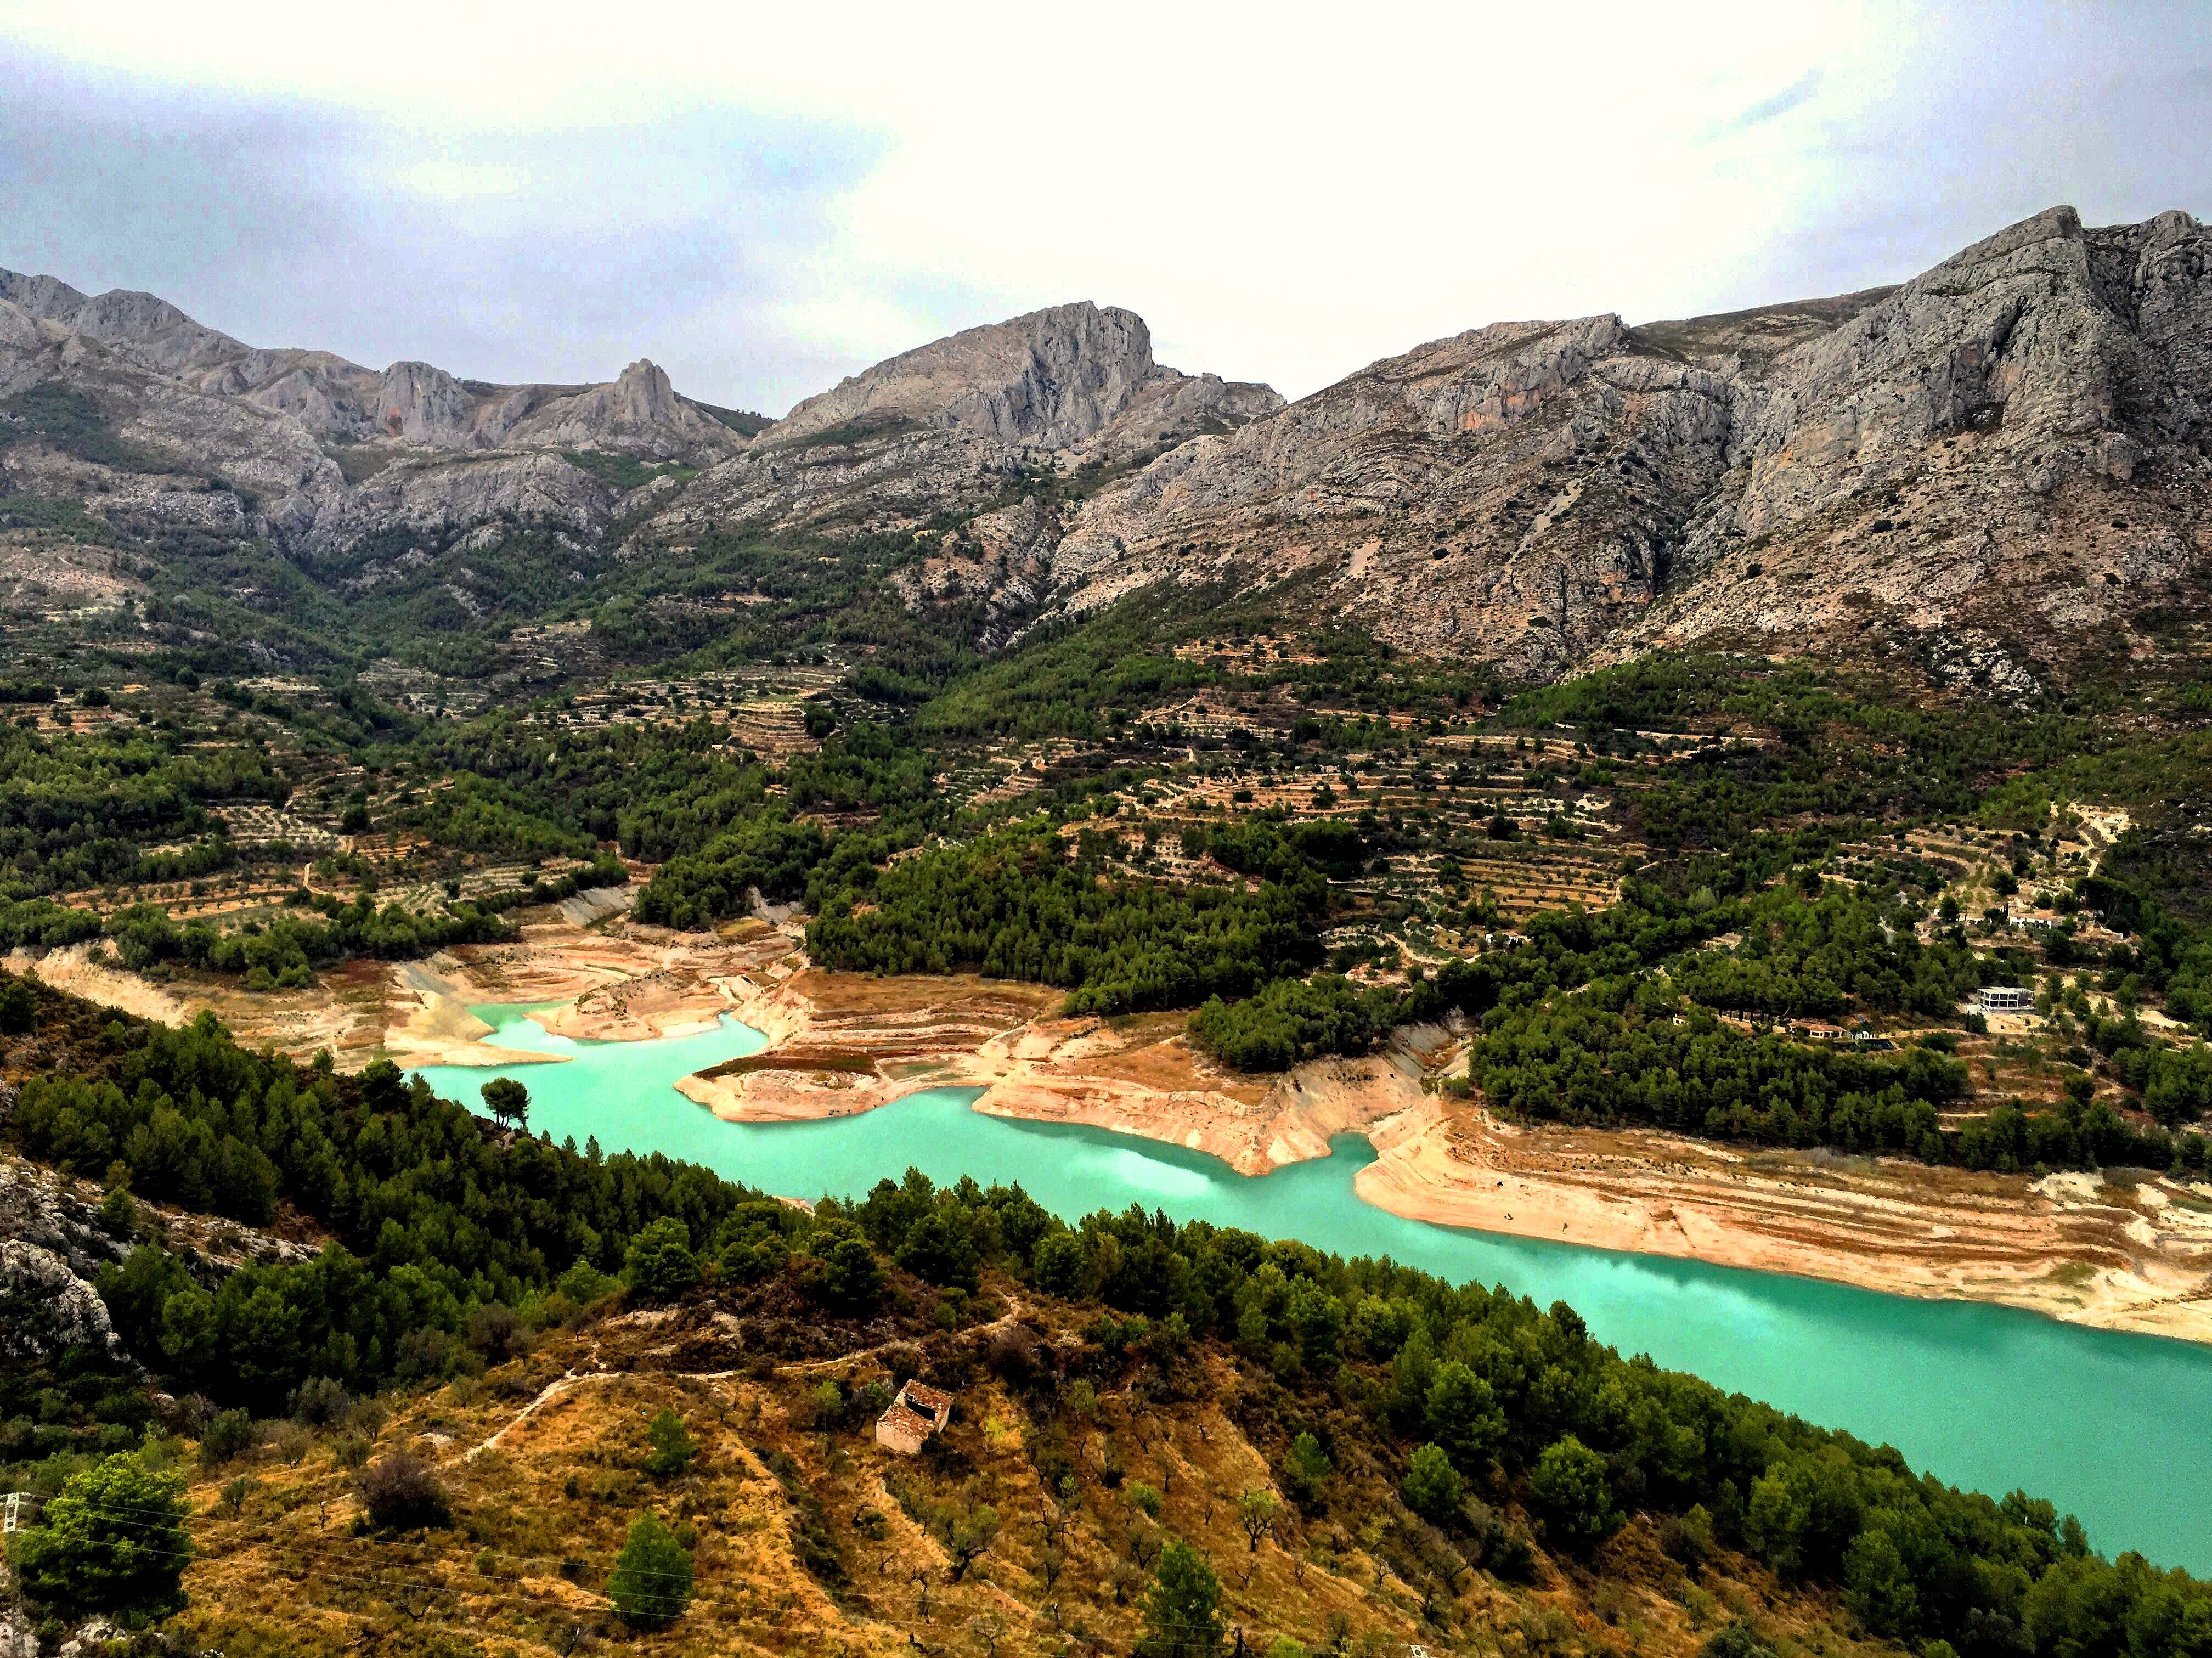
x=1182 y=1612
x=438 y=1219
x=80 y=810
x=650 y=1584
x=628 y=471
x=114 y=1541
x=1024 y=904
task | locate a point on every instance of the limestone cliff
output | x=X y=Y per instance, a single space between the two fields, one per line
x=2005 y=454
x=947 y=427
x=317 y=454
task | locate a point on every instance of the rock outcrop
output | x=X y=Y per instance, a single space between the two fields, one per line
x=46 y=1309
x=321 y=455
x=948 y=427
x=53 y=1243
x=2004 y=454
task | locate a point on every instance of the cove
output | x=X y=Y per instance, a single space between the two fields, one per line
x=2115 y=1428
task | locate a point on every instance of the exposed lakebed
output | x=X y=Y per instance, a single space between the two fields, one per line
x=2115 y=1428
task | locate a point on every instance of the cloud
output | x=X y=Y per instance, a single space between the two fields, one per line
x=765 y=199
x=554 y=255
x=447 y=181
x=1794 y=96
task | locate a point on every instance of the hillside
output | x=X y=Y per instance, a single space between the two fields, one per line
x=432 y=1431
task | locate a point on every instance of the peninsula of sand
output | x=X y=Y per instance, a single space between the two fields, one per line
x=2128 y=1249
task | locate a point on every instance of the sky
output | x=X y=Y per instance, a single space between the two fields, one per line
x=762 y=200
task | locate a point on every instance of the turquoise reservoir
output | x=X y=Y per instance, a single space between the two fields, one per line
x=2115 y=1428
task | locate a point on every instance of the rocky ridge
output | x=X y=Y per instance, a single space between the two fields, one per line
x=1988 y=469
x=2004 y=454
x=316 y=453
x=950 y=426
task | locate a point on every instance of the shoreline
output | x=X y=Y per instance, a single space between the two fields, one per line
x=2135 y=1257
x=2068 y=1247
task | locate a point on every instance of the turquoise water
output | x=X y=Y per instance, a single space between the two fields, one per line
x=2116 y=1428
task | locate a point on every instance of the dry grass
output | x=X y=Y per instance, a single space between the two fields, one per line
x=805 y=1545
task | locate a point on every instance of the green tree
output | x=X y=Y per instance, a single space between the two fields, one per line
x=1569 y=1493
x=673 y=1448
x=1878 y=1585
x=508 y=1100
x=853 y=1282
x=660 y=1266
x=1255 y=1515
x=968 y=1533
x=1307 y=1469
x=1432 y=1488
x=651 y=1583
x=19 y=1009
x=1317 y=1318
x=113 y=1540
x=1183 y=1610
x=1062 y=1266
x=1463 y=1418
x=940 y=1246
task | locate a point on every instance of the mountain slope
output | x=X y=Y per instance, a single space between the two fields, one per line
x=315 y=453
x=947 y=427
x=2026 y=420
x=1985 y=472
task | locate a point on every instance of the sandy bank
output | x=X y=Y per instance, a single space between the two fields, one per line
x=2134 y=1257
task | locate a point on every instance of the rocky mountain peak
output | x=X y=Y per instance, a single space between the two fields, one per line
x=1051 y=377
x=420 y=403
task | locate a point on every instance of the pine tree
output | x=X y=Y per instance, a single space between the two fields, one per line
x=651 y=1583
x=673 y=1448
x=1182 y=1613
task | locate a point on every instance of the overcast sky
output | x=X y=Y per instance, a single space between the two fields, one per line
x=764 y=200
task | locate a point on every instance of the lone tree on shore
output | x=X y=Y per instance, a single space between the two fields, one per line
x=508 y=1102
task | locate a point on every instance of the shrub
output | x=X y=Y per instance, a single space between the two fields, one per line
x=113 y=1540
x=1737 y=1640
x=401 y=1493
x=495 y=1332
x=352 y=1453
x=321 y=1402
x=652 y=1581
x=232 y=1434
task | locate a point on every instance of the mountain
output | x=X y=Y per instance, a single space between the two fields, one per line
x=317 y=453
x=1990 y=465
x=1985 y=471
x=947 y=427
